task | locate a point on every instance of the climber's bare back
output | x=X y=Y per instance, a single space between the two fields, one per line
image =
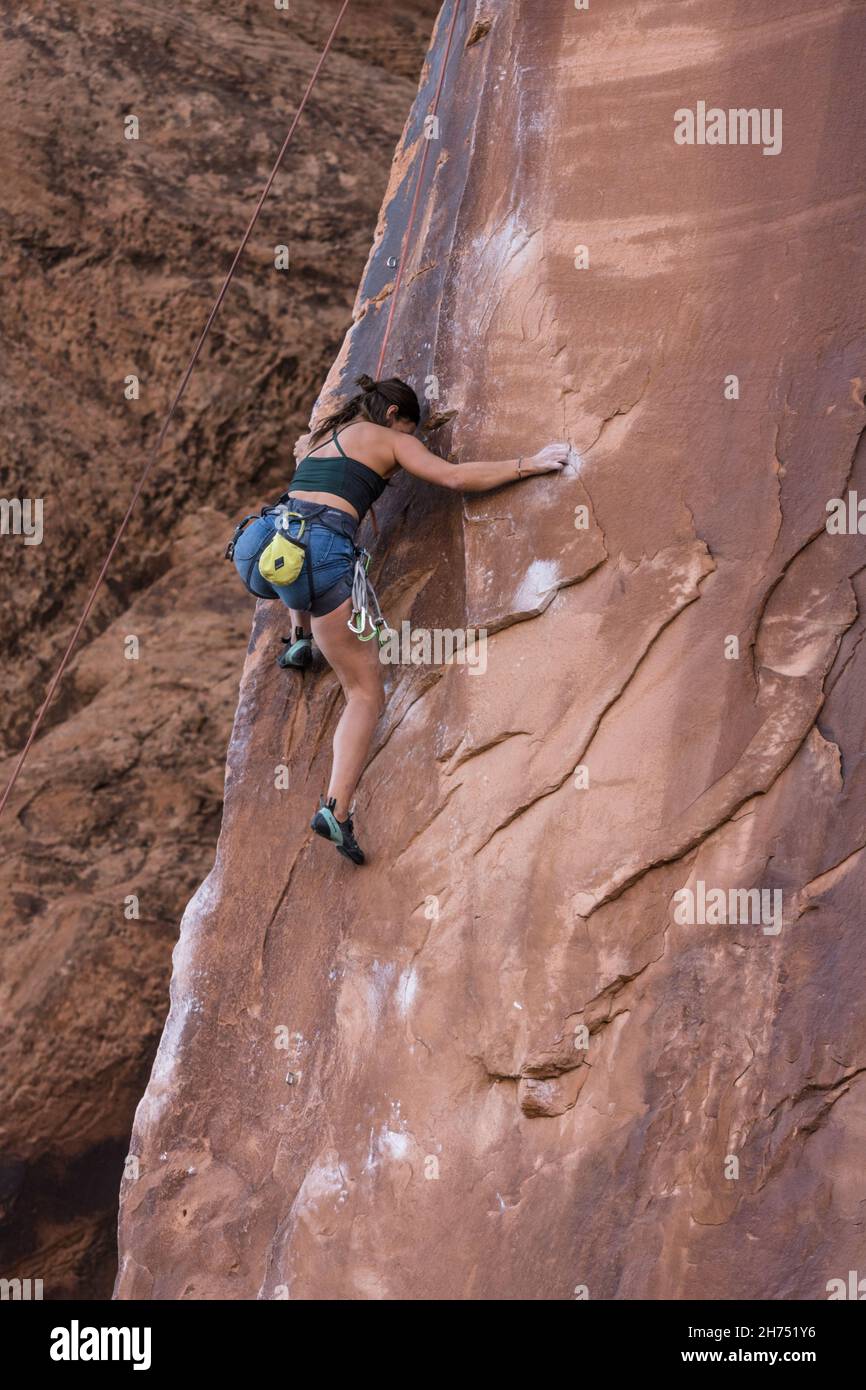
x=372 y=445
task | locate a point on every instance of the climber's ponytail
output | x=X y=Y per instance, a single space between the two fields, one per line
x=371 y=403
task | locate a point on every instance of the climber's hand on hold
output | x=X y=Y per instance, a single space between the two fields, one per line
x=550 y=459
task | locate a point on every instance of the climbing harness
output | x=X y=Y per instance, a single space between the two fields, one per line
x=280 y=557
x=252 y=563
x=365 y=604
x=280 y=560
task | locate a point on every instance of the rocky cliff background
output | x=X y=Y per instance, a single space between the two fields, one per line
x=496 y=1063
x=112 y=251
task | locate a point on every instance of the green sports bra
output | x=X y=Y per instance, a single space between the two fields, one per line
x=349 y=479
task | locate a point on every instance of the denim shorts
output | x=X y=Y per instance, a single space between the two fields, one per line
x=329 y=568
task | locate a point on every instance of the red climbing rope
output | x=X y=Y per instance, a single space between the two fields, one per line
x=162 y=433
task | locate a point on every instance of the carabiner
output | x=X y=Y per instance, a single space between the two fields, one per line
x=362 y=622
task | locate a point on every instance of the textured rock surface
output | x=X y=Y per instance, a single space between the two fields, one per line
x=112 y=253
x=373 y=1085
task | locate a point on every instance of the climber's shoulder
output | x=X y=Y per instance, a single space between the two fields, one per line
x=386 y=449
x=369 y=443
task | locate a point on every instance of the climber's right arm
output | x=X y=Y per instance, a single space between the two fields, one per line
x=412 y=455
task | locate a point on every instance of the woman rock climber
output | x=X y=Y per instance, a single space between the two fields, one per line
x=365 y=442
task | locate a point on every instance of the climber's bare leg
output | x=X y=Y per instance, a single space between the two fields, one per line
x=360 y=674
x=299 y=619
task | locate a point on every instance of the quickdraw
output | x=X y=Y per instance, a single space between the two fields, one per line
x=365 y=604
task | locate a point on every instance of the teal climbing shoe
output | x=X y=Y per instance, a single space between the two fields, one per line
x=298 y=652
x=340 y=832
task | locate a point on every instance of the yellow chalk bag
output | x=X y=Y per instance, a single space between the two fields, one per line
x=282 y=559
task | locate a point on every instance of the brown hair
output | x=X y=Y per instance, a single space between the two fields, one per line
x=371 y=403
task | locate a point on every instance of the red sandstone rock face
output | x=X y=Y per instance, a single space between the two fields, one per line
x=112 y=254
x=493 y=1063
